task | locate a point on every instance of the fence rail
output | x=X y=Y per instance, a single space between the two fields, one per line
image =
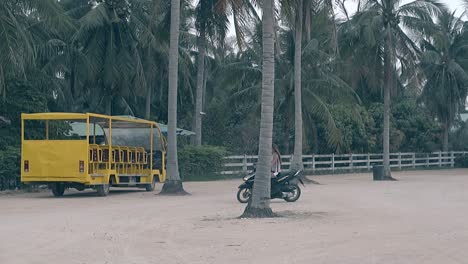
x=349 y=162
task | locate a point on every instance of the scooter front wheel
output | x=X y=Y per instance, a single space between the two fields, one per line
x=294 y=194
x=243 y=195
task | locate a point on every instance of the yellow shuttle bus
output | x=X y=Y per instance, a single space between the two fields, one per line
x=86 y=150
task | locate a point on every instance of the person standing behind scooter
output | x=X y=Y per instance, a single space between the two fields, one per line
x=275 y=161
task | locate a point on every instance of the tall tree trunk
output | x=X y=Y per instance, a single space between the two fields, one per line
x=149 y=84
x=200 y=79
x=259 y=204
x=72 y=80
x=70 y=104
x=388 y=85
x=308 y=20
x=148 y=102
x=445 y=147
x=161 y=84
x=314 y=129
x=336 y=49
x=285 y=128
x=2 y=84
x=173 y=184
x=297 y=157
x=334 y=36
x=109 y=105
x=205 y=80
x=276 y=33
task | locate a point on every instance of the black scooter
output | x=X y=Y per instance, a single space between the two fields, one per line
x=283 y=186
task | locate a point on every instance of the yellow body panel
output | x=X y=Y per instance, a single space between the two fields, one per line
x=54 y=160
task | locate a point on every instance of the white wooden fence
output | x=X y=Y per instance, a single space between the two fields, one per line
x=350 y=162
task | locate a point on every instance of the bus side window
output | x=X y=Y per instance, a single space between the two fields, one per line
x=157 y=159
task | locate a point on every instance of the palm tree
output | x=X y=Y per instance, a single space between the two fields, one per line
x=24 y=26
x=389 y=17
x=294 y=13
x=150 y=19
x=297 y=157
x=444 y=63
x=109 y=41
x=204 y=12
x=212 y=18
x=321 y=87
x=259 y=205
x=173 y=183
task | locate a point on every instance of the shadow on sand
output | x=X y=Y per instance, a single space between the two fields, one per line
x=90 y=194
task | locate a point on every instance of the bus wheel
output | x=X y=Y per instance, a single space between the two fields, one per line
x=103 y=189
x=150 y=187
x=58 y=189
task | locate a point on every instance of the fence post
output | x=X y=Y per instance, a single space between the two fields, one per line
x=244 y=164
x=313 y=162
x=351 y=161
x=452 y=159
x=440 y=159
x=333 y=162
x=414 y=160
x=427 y=160
x=399 y=160
x=368 y=162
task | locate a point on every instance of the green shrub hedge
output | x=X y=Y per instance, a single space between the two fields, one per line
x=10 y=159
x=461 y=162
x=201 y=163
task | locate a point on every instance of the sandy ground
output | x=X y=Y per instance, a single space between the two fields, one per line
x=423 y=218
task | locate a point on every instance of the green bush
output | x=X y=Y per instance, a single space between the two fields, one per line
x=22 y=97
x=201 y=163
x=10 y=159
x=461 y=162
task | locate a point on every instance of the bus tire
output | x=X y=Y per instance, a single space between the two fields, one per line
x=58 y=189
x=103 y=189
x=150 y=187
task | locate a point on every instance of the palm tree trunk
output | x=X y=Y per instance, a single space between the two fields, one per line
x=334 y=36
x=308 y=20
x=314 y=129
x=173 y=184
x=109 y=105
x=148 y=102
x=200 y=79
x=205 y=80
x=445 y=147
x=297 y=157
x=336 y=49
x=388 y=84
x=259 y=204
x=149 y=84
x=276 y=33
x=161 y=84
x=2 y=84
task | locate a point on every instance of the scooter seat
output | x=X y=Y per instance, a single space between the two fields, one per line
x=281 y=177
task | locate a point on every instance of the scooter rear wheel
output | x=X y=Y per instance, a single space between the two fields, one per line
x=243 y=195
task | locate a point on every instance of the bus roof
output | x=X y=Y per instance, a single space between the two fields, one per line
x=83 y=116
